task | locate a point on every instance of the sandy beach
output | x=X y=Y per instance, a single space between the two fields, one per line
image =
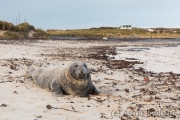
x=138 y=80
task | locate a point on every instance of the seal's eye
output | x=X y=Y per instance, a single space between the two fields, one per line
x=76 y=65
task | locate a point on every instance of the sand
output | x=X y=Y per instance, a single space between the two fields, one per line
x=150 y=93
x=1 y=33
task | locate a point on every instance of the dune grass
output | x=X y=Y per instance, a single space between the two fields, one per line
x=20 y=31
x=16 y=35
x=23 y=27
x=113 y=32
x=39 y=33
x=101 y=32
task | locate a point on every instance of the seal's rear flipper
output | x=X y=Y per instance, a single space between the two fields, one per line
x=29 y=73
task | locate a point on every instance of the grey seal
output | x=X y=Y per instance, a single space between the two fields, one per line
x=74 y=79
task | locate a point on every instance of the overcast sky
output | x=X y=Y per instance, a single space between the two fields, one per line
x=78 y=14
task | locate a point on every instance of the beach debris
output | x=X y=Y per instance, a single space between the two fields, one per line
x=39 y=116
x=88 y=106
x=3 y=105
x=72 y=107
x=99 y=100
x=12 y=67
x=4 y=65
x=108 y=79
x=49 y=107
x=19 y=81
x=127 y=117
x=15 y=92
x=26 y=87
x=148 y=99
x=10 y=72
x=151 y=111
x=6 y=81
x=146 y=79
x=120 y=64
x=117 y=90
x=103 y=115
x=126 y=90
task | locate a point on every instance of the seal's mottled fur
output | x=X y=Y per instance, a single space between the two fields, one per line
x=71 y=80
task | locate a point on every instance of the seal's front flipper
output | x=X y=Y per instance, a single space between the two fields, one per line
x=57 y=94
x=56 y=89
x=94 y=91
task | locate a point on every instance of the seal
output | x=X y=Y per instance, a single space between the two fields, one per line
x=74 y=79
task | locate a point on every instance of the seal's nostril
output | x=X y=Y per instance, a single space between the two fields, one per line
x=82 y=72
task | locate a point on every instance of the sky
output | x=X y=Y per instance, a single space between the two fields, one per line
x=81 y=14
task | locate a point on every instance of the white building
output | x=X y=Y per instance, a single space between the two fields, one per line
x=126 y=27
x=150 y=30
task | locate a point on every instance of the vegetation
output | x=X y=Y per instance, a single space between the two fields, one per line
x=40 y=34
x=23 y=27
x=94 y=32
x=10 y=34
x=20 y=31
x=115 y=32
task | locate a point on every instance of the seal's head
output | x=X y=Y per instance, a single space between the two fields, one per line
x=79 y=70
